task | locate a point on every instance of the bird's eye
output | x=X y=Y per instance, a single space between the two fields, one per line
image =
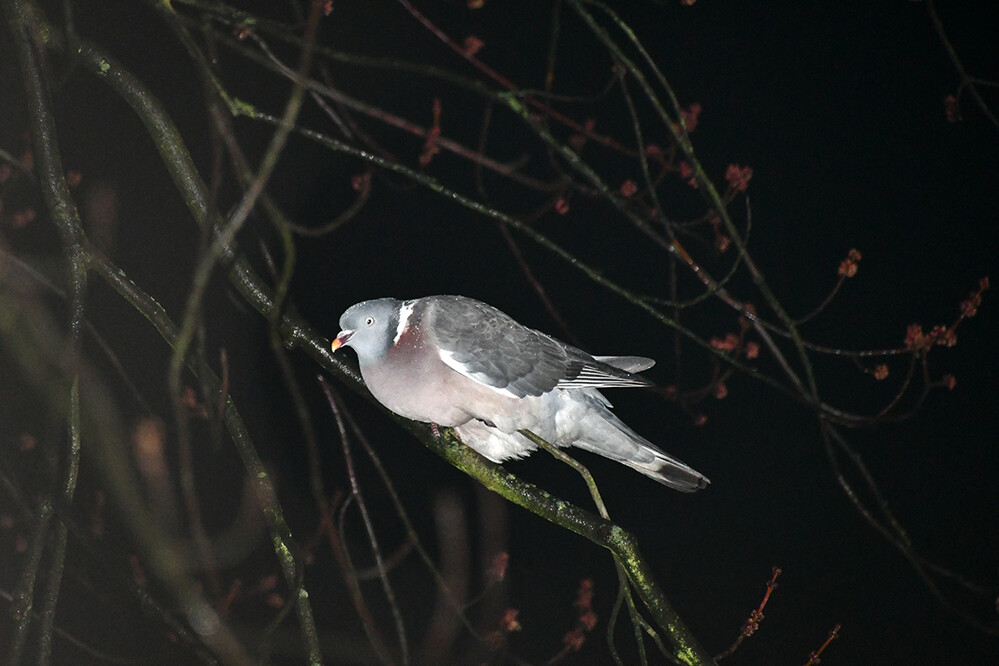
x=368 y=321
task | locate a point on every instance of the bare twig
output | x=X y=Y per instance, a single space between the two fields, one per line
x=358 y=498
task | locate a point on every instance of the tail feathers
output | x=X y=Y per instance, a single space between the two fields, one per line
x=627 y=363
x=608 y=436
x=670 y=472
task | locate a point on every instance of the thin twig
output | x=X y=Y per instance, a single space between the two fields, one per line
x=358 y=498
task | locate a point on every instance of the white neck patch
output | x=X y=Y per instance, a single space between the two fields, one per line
x=405 y=312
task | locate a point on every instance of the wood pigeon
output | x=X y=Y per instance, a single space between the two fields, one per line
x=457 y=362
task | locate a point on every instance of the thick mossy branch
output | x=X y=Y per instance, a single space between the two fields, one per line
x=571 y=517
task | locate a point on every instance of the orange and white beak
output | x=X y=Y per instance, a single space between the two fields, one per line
x=341 y=339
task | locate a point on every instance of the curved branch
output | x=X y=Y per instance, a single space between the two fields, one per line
x=60 y=205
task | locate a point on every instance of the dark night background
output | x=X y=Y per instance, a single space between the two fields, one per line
x=839 y=110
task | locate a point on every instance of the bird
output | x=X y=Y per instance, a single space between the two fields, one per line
x=457 y=362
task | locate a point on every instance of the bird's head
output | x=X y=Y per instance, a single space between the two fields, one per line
x=369 y=328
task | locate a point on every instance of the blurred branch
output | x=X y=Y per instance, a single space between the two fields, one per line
x=56 y=195
x=168 y=567
x=223 y=235
x=39 y=343
x=181 y=167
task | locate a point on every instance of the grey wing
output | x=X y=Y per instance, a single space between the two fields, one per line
x=488 y=346
x=491 y=348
